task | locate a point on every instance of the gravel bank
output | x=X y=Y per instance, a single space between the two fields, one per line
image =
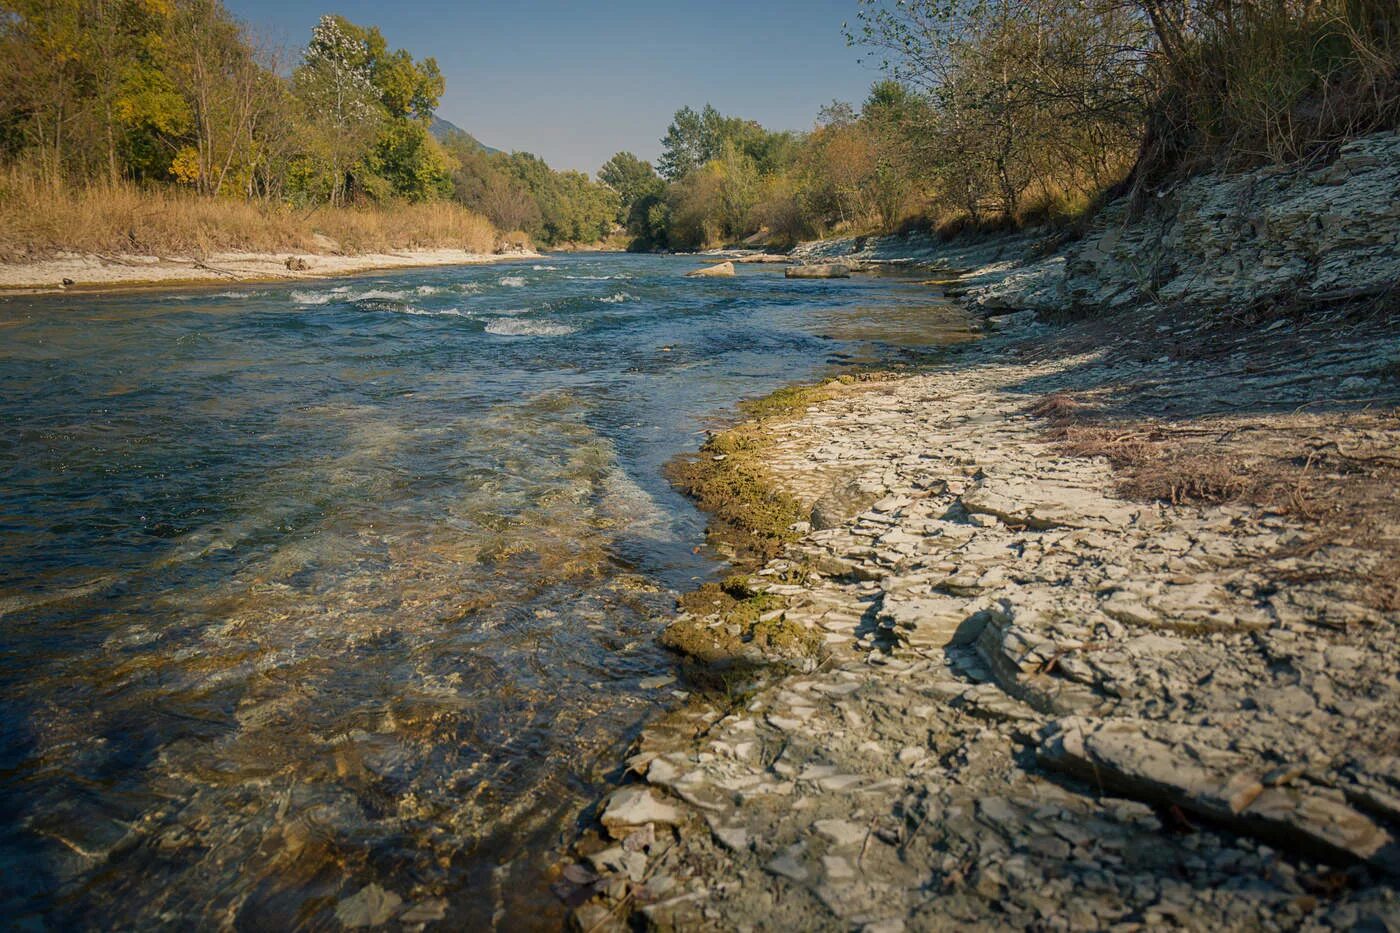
x=1092 y=626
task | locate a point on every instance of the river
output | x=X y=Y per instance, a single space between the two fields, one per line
x=306 y=587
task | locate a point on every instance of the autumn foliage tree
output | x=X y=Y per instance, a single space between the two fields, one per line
x=1045 y=99
x=177 y=93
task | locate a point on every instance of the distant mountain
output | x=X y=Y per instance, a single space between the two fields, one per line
x=444 y=130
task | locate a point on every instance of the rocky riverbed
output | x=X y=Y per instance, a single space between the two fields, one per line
x=1091 y=626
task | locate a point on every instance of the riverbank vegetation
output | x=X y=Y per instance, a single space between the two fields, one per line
x=993 y=113
x=150 y=125
x=103 y=219
x=1013 y=113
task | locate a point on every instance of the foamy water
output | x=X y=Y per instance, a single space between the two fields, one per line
x=515 y=327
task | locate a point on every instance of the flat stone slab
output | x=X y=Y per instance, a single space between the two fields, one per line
x=1040 y=504
x=636 y=805
x=1165 y=763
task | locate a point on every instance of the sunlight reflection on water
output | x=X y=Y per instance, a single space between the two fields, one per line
x=303 y=589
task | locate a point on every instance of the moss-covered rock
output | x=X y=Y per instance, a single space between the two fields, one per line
x=731 y=622
x=751 y=516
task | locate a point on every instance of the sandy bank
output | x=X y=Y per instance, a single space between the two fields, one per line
x=103 y=272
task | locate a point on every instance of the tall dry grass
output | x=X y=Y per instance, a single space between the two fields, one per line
x=38 y=220
x=435 y=224
x=1273 y=82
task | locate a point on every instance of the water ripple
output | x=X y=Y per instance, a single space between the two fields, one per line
x=304 y=588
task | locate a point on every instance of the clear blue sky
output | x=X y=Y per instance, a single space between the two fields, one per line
x=576 y=82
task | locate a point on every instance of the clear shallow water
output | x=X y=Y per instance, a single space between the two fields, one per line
x=307 y=587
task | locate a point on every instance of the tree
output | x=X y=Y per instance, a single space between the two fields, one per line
x=577 y=209
x=838 y=114
x=222 y=80
x=406 y=162
x=693 y=220
x=684 y=148
x=334 y=84
x=509 y=206
x=372 y=106
x=893 y=116
x=840 y=162
x=693 y=139
x=1024 y=94
x=45 y=79
x=738 y=190
x=632 y=179
x=142 y=111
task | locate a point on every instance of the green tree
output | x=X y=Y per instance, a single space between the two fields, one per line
x=685 y=147
x=407 y=162
x=738 y=190
x=371 y=106
x=142 y=111
x=334 y=85
x=694 y=139
x=226 y=89
x=632 y=179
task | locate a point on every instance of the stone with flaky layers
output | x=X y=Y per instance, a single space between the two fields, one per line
x=829 y=270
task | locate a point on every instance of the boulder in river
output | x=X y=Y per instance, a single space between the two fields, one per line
x=825 y=270
x=723 y=270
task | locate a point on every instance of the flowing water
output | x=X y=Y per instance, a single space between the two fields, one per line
x=308 y=587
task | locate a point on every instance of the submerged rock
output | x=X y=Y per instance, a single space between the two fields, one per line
x=636 y=805
x=371 y=907
x=825 y=270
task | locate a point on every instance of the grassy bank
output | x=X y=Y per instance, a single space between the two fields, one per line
x=38 y=221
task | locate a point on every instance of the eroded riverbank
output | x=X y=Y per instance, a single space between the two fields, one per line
x=1050 y=693
x=1091 y=625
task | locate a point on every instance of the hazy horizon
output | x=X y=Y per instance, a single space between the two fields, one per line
x=575 y=85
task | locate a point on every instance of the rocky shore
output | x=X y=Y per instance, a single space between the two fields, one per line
x=1091 y=625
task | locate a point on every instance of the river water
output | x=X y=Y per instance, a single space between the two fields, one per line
x=304 y=588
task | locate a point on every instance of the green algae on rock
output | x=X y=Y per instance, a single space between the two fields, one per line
x=751 y=517
x=727 y=623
